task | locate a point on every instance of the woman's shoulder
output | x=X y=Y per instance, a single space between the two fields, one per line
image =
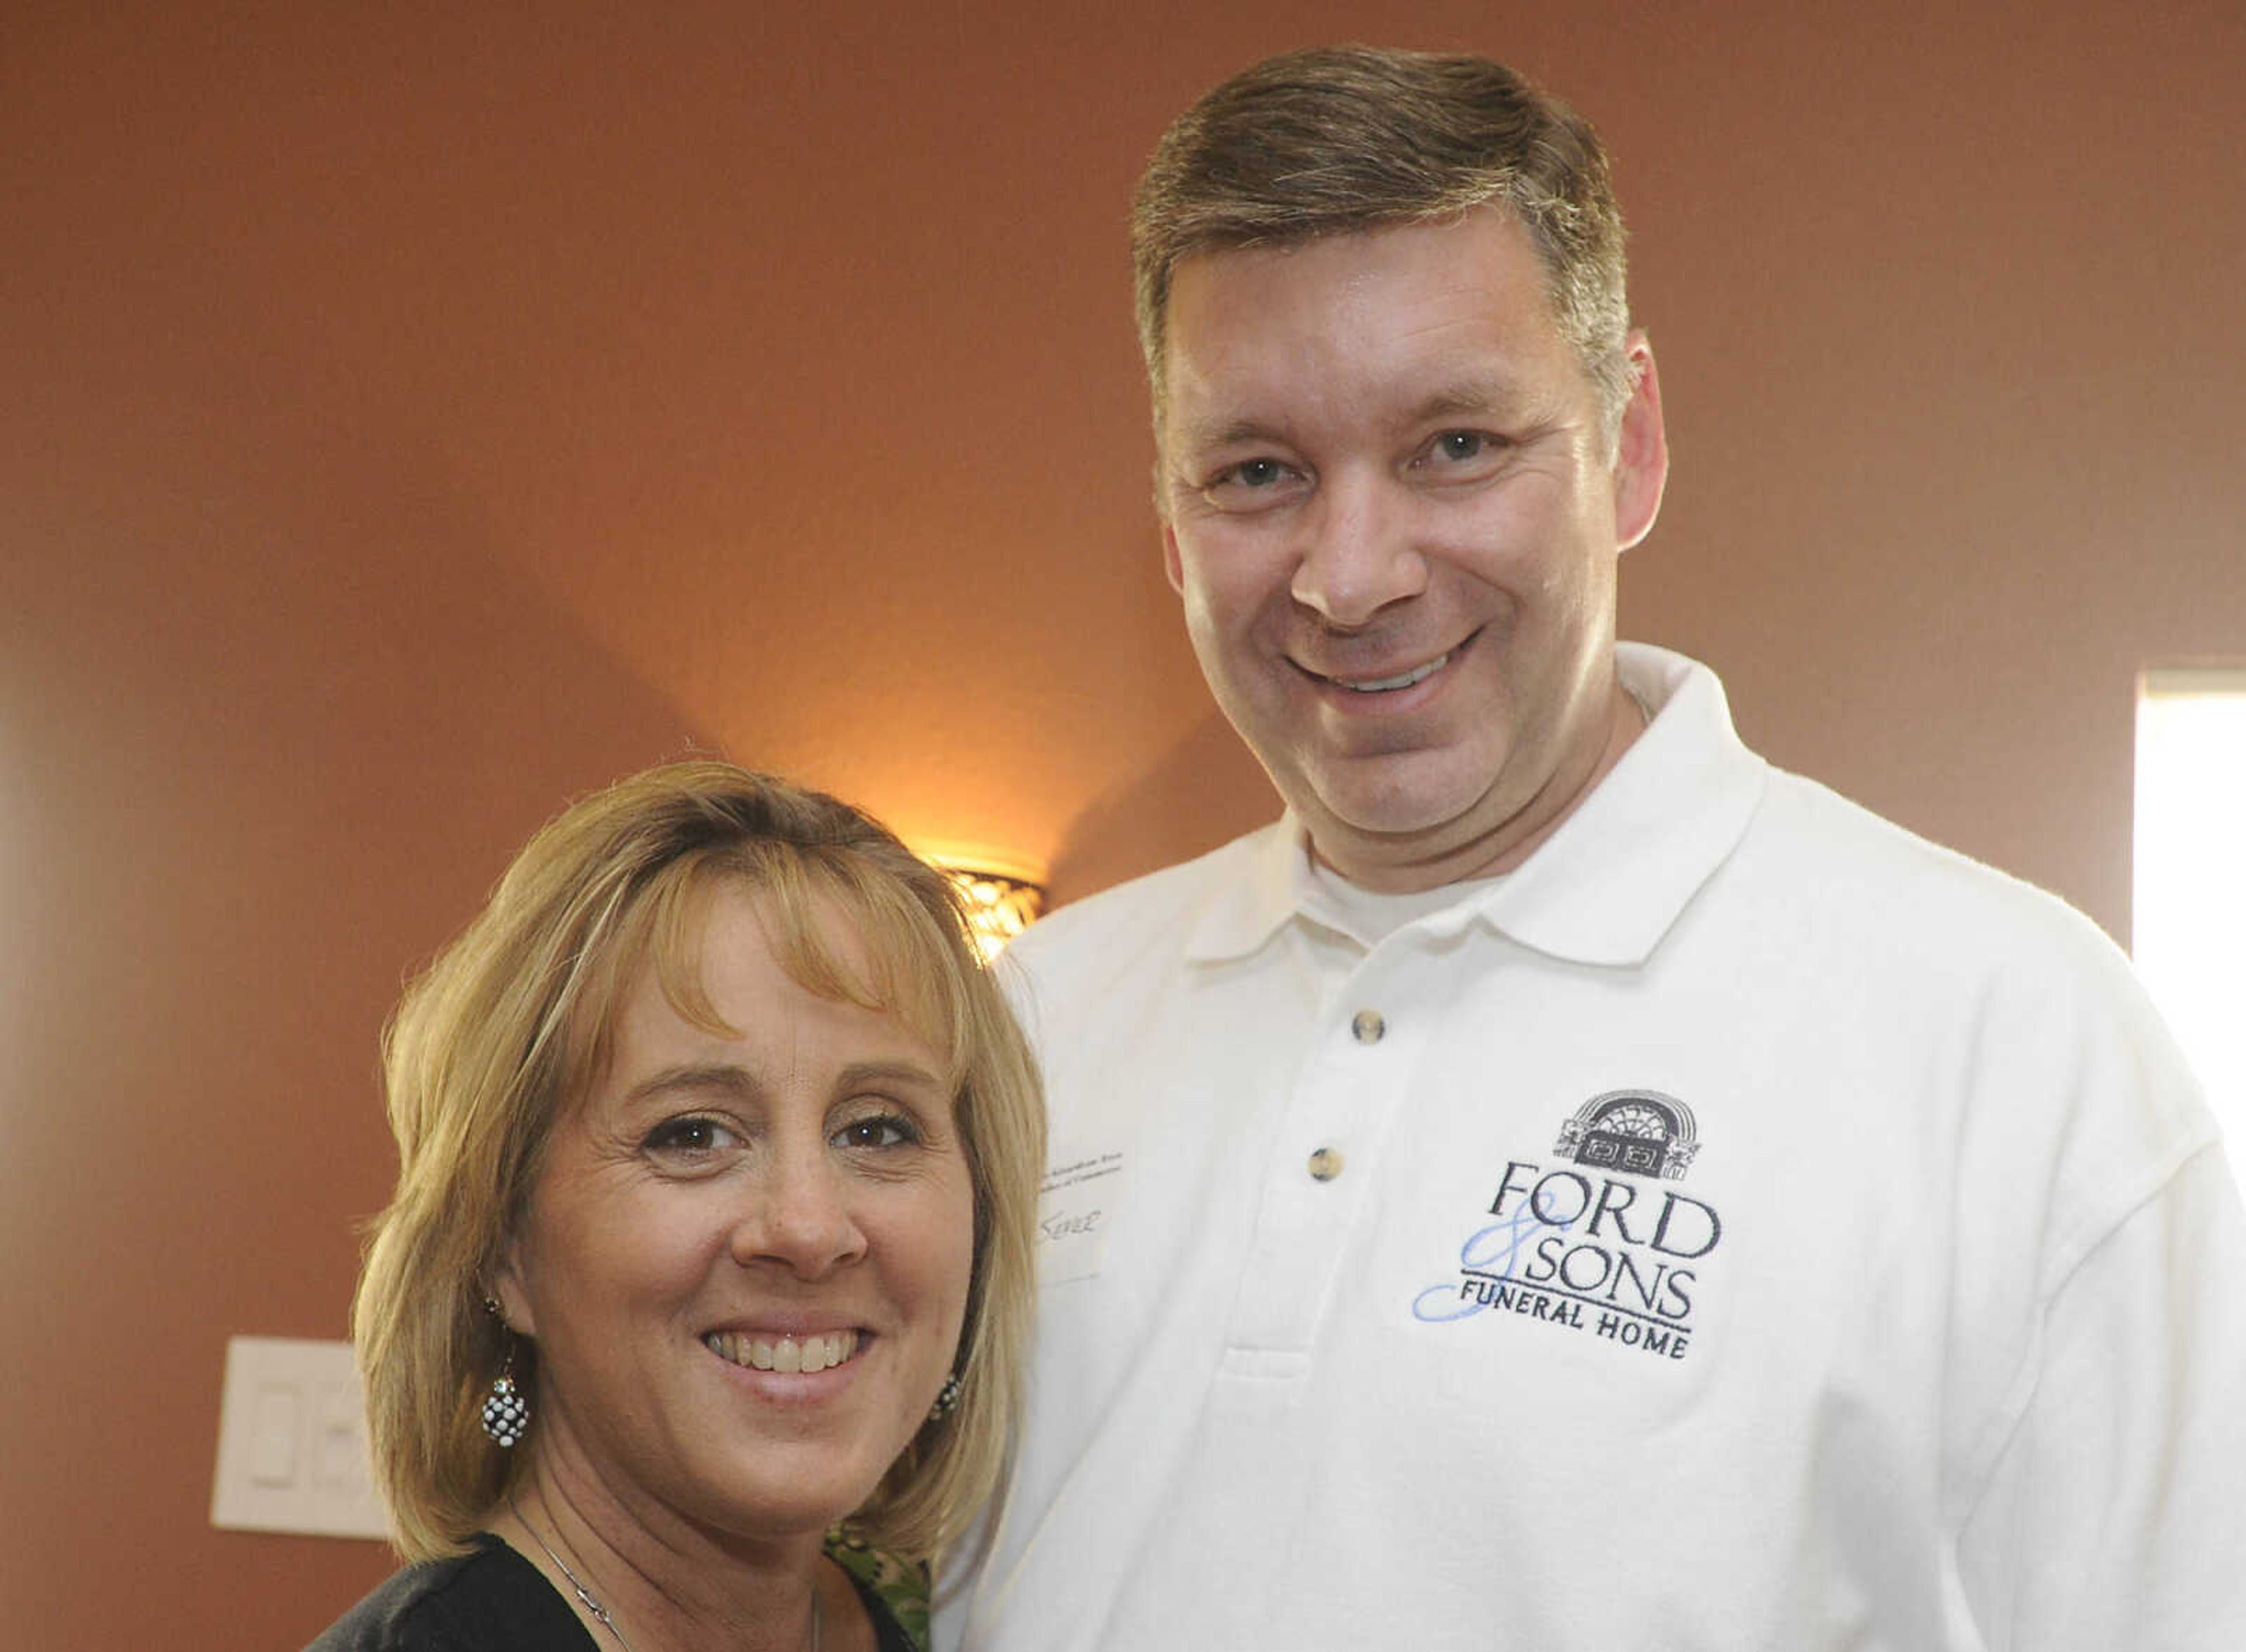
x=889 y=1632
x=895 y=1593
x=487 y=1599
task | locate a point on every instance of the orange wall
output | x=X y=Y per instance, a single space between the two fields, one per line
x=408 y=420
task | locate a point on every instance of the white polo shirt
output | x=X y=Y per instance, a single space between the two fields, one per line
x=1744 y=1226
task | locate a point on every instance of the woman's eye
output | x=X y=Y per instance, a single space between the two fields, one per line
x=692 y=1134
x=878 y=1130
x=1255 y=473
x=1461 y=443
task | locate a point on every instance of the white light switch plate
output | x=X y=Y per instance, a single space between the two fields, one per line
x=292 y=1441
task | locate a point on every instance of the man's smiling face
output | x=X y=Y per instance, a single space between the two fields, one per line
x=1394 y=513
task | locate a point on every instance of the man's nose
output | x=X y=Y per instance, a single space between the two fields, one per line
x=1358 y=551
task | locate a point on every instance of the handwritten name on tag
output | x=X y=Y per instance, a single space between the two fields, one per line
x=1075 y=1205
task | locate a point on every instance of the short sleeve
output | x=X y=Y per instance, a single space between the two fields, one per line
x=2116 y=1514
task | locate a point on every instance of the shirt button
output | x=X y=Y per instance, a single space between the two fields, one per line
x=1326 y=1164
x=1369 y=1026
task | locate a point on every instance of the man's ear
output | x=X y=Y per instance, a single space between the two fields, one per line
x=1641 y=465
x=1171 y=564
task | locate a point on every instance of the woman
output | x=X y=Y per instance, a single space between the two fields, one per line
x=709 y=1258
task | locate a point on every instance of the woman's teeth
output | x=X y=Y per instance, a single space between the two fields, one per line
x=790 y=1354
x=1406 y=680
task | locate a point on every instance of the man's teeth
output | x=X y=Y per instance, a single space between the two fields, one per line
x=1381 y=685
x=790 y=1354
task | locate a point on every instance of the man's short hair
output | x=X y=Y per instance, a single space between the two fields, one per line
x=1340 y=138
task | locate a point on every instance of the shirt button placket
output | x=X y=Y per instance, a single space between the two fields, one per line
x=1367 y=1027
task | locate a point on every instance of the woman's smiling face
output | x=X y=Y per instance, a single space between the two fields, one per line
x=747 y=1255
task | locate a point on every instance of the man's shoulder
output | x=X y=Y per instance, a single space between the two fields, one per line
x=1818 y=853
x=1888 y=874
x=1931 y=938
x=1117 y=958
x=1157 y=908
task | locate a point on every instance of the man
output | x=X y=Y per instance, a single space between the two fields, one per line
x=1567 y=1184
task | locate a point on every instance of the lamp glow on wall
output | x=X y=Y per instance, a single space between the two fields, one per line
x=1003 y=894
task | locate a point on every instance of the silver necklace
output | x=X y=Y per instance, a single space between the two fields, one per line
x=601 y=1613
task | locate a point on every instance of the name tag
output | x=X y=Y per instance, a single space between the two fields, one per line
x=1075 y=1207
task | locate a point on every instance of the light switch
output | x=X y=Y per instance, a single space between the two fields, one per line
x=273 y=1435
x=339 y=1458
x=292 y=1441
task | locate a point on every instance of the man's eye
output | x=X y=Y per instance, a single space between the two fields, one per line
x=1464 y=447
x=877 y=1129
x=1253 y=484
x=1460 y=456
x=1250 y=476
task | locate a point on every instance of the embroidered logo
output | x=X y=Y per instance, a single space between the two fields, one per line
x=1641 y=1130
x=1588 y=1245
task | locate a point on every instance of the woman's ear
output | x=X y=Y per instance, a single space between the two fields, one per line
x=508 y=1290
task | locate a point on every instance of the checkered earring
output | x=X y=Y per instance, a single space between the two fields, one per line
x=947 y=1399
x=507 y=1414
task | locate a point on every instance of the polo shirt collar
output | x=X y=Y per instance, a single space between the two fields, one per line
x=1605 y=886
x=1265 y=893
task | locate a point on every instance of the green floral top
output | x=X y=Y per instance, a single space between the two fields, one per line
x=902 y=1585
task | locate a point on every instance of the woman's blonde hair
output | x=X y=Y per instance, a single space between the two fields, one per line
x=513 y=1020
